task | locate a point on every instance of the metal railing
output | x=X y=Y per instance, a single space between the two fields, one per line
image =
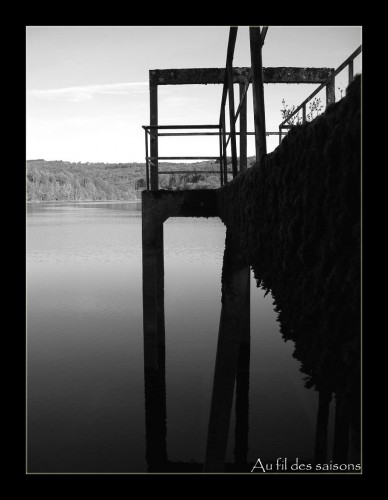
x=221 y=134
x=348 y=63
x=150 y=159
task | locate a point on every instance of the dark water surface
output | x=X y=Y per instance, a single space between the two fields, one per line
x=85 y=345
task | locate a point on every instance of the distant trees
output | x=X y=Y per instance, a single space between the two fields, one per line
x=65 y=181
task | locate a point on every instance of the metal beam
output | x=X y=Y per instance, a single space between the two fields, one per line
x=231 y=118
x=208 y=76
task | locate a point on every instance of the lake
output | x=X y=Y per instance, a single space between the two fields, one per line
x=85 y=371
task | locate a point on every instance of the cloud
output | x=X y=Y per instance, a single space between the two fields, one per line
x=180 y=100
x=87 y=92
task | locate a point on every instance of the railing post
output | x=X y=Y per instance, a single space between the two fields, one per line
x=154 y=135
x=304 y=113
x=351 y=69
x=229 y=70
x=225 y=162
x=258 y=91
x=243 y=128
x=280 y=134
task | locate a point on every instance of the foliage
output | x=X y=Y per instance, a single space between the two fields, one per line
x=315 y=108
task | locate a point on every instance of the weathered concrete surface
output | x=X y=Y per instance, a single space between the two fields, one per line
x=205 y=76
x=158 y=206
x=296 y=216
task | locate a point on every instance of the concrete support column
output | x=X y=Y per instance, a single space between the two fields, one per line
x=153 y=282
x=154 y=135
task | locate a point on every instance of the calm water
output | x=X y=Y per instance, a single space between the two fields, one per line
x=85 y=345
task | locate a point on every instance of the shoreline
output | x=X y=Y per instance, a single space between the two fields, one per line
x=81 y=201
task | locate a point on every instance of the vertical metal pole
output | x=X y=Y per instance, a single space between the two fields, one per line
x=280 y=135
x=147 y=162
x=220 y=146
x=225 y=162
x=243 y=129
x=229 y=70
x=304 y=113
x=330 y=92
x=350 y=69
x=154 y=135
x=258 y=92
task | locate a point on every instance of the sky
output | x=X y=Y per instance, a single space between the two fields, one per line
x=87 y=92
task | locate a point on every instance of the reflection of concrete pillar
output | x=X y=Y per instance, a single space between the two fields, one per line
x=156 y=417
x=154 y=336
x=234 y=292
x=320 y=454
x=341 y=429
x=242 y=383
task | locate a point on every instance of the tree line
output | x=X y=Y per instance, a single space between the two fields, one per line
x=70 y=181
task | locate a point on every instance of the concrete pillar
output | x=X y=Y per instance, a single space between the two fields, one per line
x=154 y=135
x=153 y=282
x=234 y=293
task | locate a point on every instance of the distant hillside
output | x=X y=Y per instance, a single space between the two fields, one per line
x=66 y=181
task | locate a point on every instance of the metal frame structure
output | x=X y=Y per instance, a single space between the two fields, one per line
x=228 y=76
x=330 y=96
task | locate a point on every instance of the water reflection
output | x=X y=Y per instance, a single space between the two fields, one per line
x=231 y=375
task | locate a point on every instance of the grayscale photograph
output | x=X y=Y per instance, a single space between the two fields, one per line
x=193 y=250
